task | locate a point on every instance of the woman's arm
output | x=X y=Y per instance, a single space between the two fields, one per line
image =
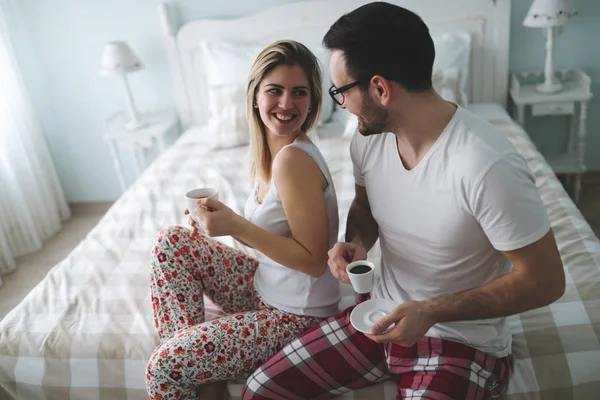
x=300 y=184
x=242 y=242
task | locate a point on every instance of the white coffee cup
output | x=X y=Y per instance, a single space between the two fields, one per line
x=361 y=282
x=192 y=197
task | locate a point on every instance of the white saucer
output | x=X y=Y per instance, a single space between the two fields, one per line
x=367 y=313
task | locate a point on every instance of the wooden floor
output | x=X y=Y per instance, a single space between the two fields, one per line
x=589 y=202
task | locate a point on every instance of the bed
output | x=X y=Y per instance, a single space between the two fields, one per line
x=86 y=331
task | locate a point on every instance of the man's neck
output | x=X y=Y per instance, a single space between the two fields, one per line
x=419 y=124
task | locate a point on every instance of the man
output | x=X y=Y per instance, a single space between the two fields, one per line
x=465 y=239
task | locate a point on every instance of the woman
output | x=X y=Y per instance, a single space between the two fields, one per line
x=291 y=219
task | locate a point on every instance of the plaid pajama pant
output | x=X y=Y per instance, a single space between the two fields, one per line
x=333 y=358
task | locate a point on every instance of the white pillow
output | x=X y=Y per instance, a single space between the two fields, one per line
x=225 y=68
x=227 y=121
x=452 y=64
x=446 y=84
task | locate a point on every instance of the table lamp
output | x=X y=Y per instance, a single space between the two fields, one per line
x=549 y=14
x=119 y=59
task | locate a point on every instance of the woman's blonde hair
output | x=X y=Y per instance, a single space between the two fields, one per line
x=282 y=52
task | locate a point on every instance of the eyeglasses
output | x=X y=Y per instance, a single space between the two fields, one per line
x=337 y=94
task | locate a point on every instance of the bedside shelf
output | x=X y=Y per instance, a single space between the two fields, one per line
x=576 y=87
x=566 y=163
x=571 y=101
x=156 y=126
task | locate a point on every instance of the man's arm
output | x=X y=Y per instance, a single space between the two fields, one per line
x=361 y=227
x=537 y=280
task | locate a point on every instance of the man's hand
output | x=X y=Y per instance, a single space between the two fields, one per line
x=342 y=254
x=412 y=318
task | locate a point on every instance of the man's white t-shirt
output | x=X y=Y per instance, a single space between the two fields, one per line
x=443 y=223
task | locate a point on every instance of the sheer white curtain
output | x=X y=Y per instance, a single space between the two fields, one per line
x=32 y=203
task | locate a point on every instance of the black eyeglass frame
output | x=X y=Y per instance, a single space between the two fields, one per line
x=333 y=91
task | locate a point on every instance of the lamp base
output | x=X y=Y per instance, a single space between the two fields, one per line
x=134 y=126
x=549 y=87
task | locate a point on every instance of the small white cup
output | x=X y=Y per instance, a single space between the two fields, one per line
x=362 y=283
x=192 y=197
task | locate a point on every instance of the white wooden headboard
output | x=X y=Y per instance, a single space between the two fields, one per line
x=488 y=21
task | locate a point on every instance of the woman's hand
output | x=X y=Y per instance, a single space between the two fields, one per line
x=216 y=219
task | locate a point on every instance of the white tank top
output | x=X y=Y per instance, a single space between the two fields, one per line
x=280 y=286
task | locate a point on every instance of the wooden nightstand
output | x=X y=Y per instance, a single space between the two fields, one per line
x=158 y=125
x=571 y=101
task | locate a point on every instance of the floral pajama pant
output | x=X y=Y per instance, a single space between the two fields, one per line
x=193 y=352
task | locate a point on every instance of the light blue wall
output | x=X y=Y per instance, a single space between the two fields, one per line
x=59 y=44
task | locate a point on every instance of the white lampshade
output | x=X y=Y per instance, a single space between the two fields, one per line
x=119 y=59
x=549 y=13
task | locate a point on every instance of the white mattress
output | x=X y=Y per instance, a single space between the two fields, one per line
x=491 y=112
x=86 y=331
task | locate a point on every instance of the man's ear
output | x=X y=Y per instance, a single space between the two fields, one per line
x=382 y=90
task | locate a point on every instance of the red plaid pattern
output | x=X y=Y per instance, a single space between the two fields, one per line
x=333 y=358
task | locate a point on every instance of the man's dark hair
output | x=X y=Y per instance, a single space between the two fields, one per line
x=384 y=39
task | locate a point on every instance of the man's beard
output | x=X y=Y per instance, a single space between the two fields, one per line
x=378 y=118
